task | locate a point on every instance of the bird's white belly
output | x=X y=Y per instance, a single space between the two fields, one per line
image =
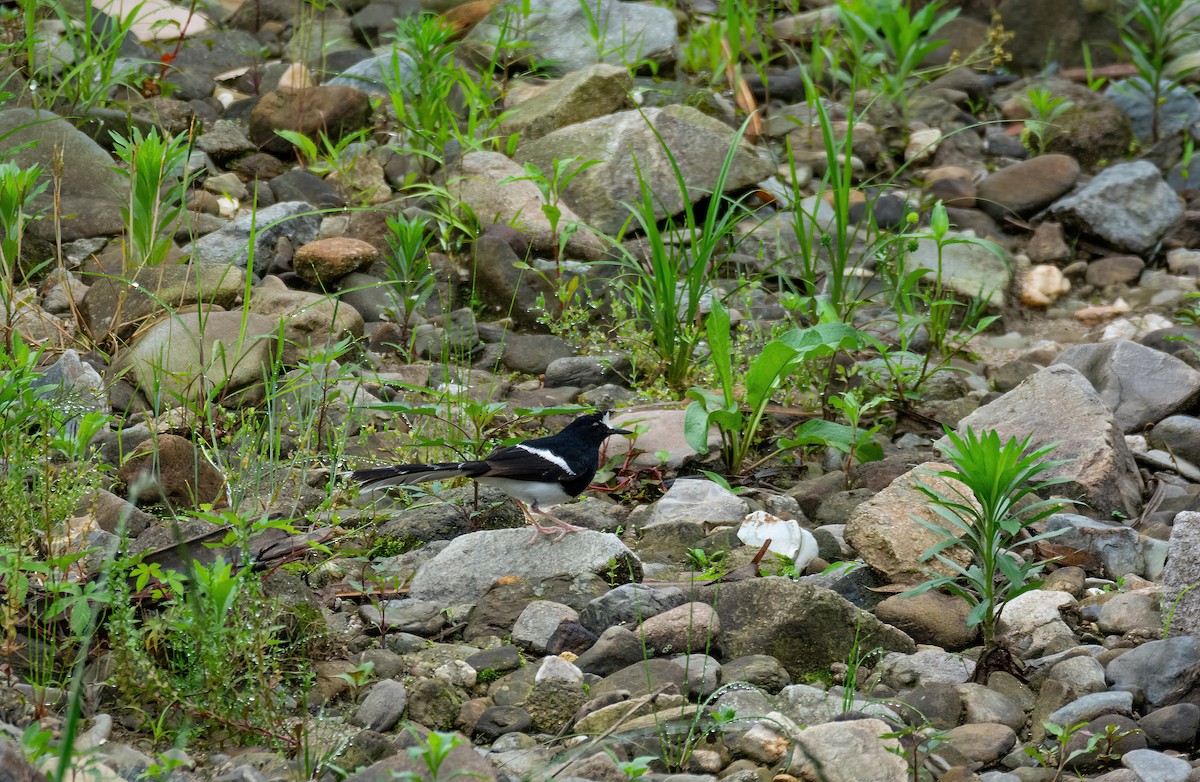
x=543 y=495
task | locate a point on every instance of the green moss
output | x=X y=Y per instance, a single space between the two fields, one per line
x=487 y=676
x=391 y=547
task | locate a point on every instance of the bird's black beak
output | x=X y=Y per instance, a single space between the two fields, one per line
x=612 y=431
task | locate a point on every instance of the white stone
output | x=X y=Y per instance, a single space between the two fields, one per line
x=1042 y=285
x=787 y=537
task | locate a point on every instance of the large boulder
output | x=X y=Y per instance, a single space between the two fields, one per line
x=495 y=189
x=887 y=532
x=599 y=195
x=1181 y=574
x=566 y=35
x=1128 y=206
x=92 y=192
x=1141 y=385
x=464 y=570
x=190 y=357
x=1058 y=406
x=806 y=628
x=117 y=304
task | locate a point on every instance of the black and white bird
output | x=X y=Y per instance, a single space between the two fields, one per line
x=536 y=473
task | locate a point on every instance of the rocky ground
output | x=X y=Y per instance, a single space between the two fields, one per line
x=567 y=659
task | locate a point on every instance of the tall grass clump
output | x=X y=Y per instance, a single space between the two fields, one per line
x=668 y=290
x=18 y=189
x=435 y=98
x=1154 y=33
x=989 y=519
x=211 y=653
x=890 y=41
x=156 y=168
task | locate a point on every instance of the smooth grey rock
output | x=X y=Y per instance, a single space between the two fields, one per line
x=629 y=604
x=1140 y=385
x=1079 y=674
x=702 y=674
x=697 y=500
x=1172 y=726
x=1116 y=546
x=383 y=706
x=690 y=628
x=1179 y=600
x=903 y=671
x=492 y=185
x=565 y=36
x=120 y=304
x=616 y=648
x=587 y=371
x=848 y=752
x=1153 y=766
x=821 y=624
x=1163 y=672
x=982 y=272
x=1130 y=611
x=584 y=94
x=1058 y=405
x=189 y=354
x=1178 y=435
x=419 y=617
x=1128 y=206
x=293 y=220
x=540 y=626
x=1178 y=107
x=761 y=670
x=1032 y=623
x=464 y=570
x=378 y=74
x=601 y=194
x=983 y=705
x=93 y=192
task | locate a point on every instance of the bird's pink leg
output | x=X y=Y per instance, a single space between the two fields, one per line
x=560 y=529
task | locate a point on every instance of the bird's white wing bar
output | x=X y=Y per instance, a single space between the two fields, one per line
x=549 y=456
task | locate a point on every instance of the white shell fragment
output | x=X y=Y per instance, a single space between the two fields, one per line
x=787 y=537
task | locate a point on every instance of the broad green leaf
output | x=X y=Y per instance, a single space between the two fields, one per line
x=695 y=427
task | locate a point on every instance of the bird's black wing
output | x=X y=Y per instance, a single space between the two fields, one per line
x=525 y=462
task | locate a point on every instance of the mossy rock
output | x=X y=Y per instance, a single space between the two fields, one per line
x=805 y=627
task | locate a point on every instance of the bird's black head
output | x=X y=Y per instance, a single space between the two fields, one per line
x=594 y=426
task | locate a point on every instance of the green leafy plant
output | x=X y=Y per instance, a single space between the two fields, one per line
x=917 y=743
x=410 y=276
x=330 y=157
x=18 y=189
x=156 y=168
x=358 y=677
x=737 y=411
x=434 y=98
x=667 y=291
x=1056 y=753
x=1044 y=109
x=921 y=298
x=551 y=185
x=1153 y=32
x=432 y=750
x=887 y=38
x=636 y=768
x=987 y=519
x=89 y=66
x=211 y=656
x=708 y=565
